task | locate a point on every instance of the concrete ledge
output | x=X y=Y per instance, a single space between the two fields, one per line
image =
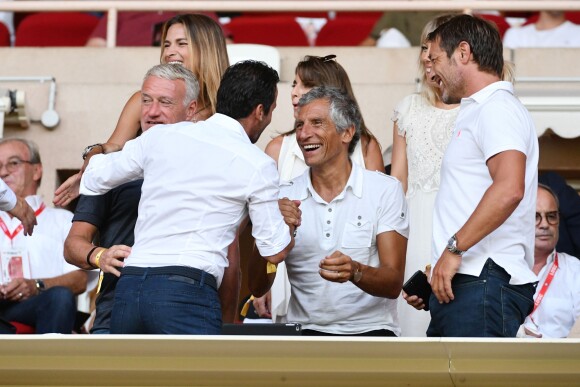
x=274 y=361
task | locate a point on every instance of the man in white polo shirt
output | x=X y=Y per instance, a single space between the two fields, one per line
x=200 y=181
x=483 y=225
x=346 y=268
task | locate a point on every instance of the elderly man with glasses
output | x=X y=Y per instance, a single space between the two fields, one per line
x=557 y=298
x=38 y=287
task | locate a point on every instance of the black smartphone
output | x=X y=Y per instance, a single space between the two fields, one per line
x=418 y=285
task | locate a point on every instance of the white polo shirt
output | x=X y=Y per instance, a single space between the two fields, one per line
x=370 y=204
x=560 y=307
x=200 y=181
x=489 y=122
x=44 y=248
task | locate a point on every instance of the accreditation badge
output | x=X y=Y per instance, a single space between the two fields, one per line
x=15 y=264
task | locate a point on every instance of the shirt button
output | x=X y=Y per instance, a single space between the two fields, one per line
x=358 y=224
x=330 y=210
x=327 y=234
x=360 y=217
x=328 y=222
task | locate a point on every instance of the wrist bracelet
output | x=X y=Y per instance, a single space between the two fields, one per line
x=89 y=256
x=271 y=268
x=98 y=257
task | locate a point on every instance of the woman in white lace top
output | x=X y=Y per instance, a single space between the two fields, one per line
x=423 y=125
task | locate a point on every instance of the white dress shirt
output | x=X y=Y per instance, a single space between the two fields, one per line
x=560 y=307
x=370 y=204
x=200 y=181
x=7 y=197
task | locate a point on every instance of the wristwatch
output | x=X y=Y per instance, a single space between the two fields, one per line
x=452 y=246
x=356 y=277
x=40 y=285
x=90 y=148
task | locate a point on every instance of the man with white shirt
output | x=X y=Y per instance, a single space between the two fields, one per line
x=550 y=30
x=483 y=221
x=200 y=181
x=346 y=268
x=557 y=299
x=41 y=287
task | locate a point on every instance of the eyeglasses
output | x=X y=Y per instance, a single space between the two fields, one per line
x=13 y=164
x=552 y=217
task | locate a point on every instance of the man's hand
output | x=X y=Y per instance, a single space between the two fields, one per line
x=263 y=305
x=337 y=267
x=68 y=191
x=414 y=301
x=112 y=259
x=19 y=289
x=25 y=214
x=443 y=272
x=290 y=211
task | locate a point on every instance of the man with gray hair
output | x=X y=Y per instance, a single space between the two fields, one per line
x=346 y=268
x=38 y=287
x=199 y=182
x=169 y=94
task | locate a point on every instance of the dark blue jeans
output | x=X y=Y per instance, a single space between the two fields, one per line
x=484 y=306
x=51 y=311
x=166 y=300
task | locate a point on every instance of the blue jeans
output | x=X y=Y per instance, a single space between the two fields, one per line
x=51 y=311
x=166 y=300
x=484 y=306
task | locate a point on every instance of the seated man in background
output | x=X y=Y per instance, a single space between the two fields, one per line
x=200 y=181
x=42 y=286
x=346 y=268
x=557 y=298
x=399 y=29
x=112 y=216
x=550 y=30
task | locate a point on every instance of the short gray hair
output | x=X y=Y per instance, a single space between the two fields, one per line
x=33 y=151
x=343 y=111
x=173 y=72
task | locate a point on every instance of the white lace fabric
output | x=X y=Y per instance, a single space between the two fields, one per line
x=427 y=131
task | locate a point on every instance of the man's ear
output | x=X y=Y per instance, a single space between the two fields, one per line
x=259 y=113
x=37 y=172
x=191 y=109
x=348 y=134
x=464 y=52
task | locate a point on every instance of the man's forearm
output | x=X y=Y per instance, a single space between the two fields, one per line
x=76 y=281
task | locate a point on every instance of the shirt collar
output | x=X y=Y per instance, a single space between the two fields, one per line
x=354 y=182
x=35 y=201
x=483 y=94
x=228 y=123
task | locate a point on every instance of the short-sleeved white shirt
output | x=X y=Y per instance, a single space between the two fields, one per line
x=200 y=181
x=45 y=246
x=371 y=203
x=560 y=307
x=491 y=121
x=566 y=34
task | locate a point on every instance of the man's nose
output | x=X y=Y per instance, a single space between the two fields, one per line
x=154 y=109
